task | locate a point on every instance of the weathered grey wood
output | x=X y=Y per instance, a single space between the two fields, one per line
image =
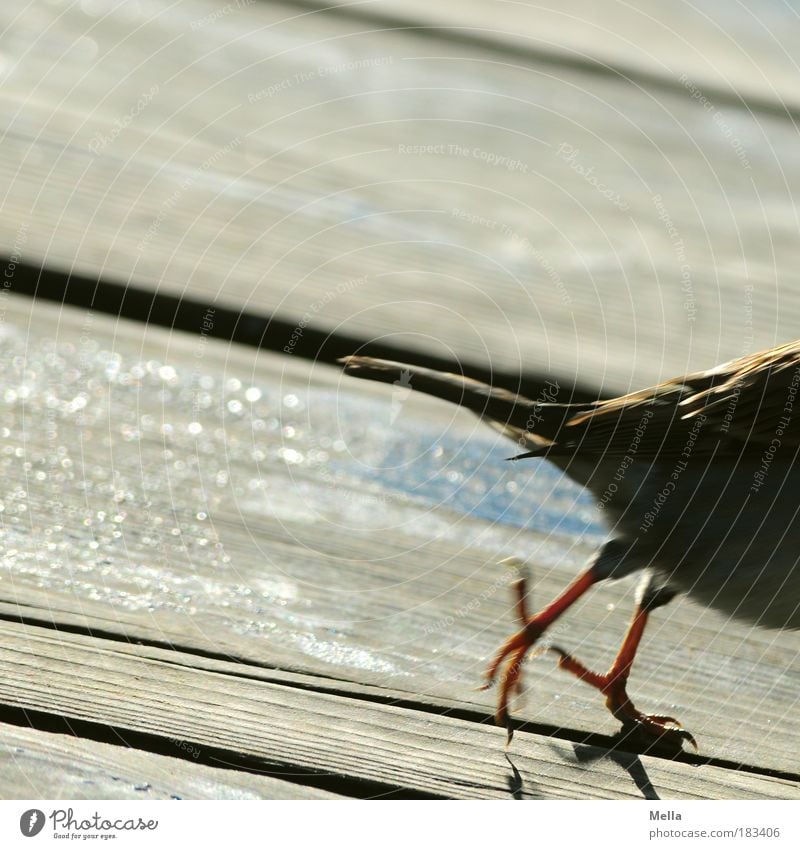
x=90 y=679
x=41 y=765
x=729 y=47
x=341 y=171
x=327 y=566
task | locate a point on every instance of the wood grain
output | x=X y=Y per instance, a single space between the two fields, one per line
x=41 y=765
x=250 y=554
x=745 y=53
x=283 y=727
x=454 y=200
x=329 y=567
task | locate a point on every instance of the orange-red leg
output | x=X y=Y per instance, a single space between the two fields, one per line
x=513 y=651
x=613 y=685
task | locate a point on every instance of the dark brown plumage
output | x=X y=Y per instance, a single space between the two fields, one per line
x=697 y=478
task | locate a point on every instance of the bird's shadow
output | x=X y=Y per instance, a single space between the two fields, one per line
x=515 y=783
x=587 y=753
x=630 y=762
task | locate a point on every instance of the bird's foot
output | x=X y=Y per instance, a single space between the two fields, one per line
x=509 y=659
x=507 y=663
x=649 y=728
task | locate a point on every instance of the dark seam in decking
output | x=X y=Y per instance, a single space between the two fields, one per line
x=218 y=758
x=620 y=742
x=557 y=58
x=139 y=301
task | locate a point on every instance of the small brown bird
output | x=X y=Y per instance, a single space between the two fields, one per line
x=697 y=479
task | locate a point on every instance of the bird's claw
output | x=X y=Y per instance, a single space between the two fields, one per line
x=653 y=730
x=510 y=658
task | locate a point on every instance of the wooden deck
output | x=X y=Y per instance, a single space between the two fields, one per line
x=230 y=572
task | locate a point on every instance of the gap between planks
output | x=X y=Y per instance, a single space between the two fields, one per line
x=691 y=659
x=548 y=36
x=103 y=204
x=39 y=764
x=193 y=657
x=160 y=693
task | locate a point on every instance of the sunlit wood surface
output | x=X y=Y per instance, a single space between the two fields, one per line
x=233 y=573
x=252 y=557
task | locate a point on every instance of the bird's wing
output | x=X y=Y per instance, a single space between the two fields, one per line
x=738 y=406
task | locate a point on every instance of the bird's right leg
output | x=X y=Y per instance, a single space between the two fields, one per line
x=614 y=683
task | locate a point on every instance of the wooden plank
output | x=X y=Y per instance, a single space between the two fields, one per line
x=90 y=680
x=510 y=213
x=241 y=539
x=41 y=765
x=744 y=51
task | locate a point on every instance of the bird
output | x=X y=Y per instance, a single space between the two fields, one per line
x=697 y=480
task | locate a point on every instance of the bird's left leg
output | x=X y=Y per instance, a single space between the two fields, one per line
x=507 y=663
x=513 y=651
x=613 y=684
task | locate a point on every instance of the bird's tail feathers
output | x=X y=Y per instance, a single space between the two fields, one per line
x=504 y=409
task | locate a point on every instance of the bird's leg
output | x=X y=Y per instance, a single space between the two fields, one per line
x=513 y=651
x=613 y=684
